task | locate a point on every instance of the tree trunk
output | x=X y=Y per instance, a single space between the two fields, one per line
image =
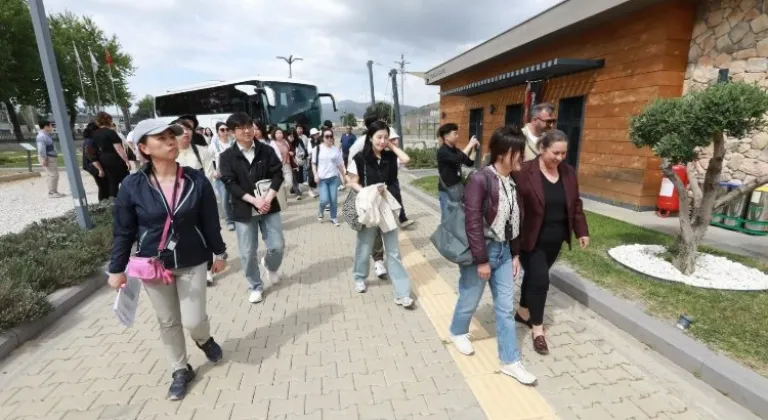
x=14 y=120
x=684 y=254
x=709 y=188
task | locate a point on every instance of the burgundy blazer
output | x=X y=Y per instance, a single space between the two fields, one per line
x=475 y=221
x=529 y=184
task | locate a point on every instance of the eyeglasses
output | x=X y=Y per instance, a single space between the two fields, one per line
x=548 y=121
x=328 y=137
x=246 y=128
x=223 y=130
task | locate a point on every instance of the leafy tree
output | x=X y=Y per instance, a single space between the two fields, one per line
x=675 y=128
x=349 y=120
x=69 y=31
x=20 y=71
x=146 y=108
x=381 y=110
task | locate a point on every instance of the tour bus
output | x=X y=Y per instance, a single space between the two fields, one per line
x=283 y=102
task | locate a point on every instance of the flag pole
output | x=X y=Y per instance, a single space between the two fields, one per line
x=114 y=94
x=80 y=73
x=95 y=81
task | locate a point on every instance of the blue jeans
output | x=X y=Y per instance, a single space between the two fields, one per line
x=397 y=273
x=329 y=194
x=225 y=199
x=444 y=199
x=471 y=288
x=271 y=226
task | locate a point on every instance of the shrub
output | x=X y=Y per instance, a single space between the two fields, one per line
x=422 y=158
x=46 y=256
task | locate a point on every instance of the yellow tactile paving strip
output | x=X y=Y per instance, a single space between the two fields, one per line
x=501 y=397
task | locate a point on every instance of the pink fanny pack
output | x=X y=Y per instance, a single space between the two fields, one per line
x=151 y=269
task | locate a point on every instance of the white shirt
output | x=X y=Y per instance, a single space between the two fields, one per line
x=217 y=147
x=356 y=147
x=531 y=148
x=249 y=153
x=188 y=158
x=329 y=160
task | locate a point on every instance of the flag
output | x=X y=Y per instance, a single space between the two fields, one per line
x=108 y=58
x=77 y=56
x=94 y=63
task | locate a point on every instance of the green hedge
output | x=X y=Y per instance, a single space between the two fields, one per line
x=47 y=256
x=422 y=158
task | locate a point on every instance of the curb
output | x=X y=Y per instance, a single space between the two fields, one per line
x=63 y=300
x=727 y=376
x=18 y=177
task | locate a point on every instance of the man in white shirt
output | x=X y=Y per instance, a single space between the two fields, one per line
x=542 y=120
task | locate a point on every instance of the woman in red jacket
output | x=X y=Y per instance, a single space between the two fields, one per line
x=553 y=212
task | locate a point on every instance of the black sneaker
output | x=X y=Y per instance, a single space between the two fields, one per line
x=181 y=380
x=212 y=350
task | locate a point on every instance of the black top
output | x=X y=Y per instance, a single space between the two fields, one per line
x=105 y=140
x=554 y=227
x=449 y=161
x=198 y=139
x=240 y=176
x=371 y=170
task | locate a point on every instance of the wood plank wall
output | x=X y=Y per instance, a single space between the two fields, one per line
x=645 y=58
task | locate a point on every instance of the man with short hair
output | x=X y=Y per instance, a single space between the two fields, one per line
x=542 y=120
x=449 y=161
x=48 y=157
x=347 y=140
x=242 y=166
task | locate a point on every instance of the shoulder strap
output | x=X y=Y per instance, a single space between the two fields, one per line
x=197 y=154
x=171 y=208
x=317 y=154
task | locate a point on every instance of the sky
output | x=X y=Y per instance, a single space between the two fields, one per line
x=176 y=43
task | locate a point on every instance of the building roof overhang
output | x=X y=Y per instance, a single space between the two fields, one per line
x=565 y=17
x=551 y=68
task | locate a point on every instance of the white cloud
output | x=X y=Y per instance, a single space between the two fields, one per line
x=176 y=43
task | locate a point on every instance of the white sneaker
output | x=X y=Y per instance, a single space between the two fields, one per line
x=256 y=296
x=381 y=269
x=463 y=345
x=335 y=222
x=405 y=302
x=209 y=278
x=341 y=188
x=518 y=371
x=360 y=287
x=272 y=276
x=312 y=194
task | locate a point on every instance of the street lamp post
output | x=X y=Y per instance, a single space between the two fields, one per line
x=290 y=60
x=53 y=82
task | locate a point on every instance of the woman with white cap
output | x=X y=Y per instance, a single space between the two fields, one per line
x=170 y=213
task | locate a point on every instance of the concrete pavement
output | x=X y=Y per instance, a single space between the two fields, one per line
x=315 y=349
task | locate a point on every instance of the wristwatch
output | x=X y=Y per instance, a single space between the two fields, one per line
x=222 y=257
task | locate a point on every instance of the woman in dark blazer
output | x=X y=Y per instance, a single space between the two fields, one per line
x=553 y=213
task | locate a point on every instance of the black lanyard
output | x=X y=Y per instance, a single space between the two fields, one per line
x=177 y=180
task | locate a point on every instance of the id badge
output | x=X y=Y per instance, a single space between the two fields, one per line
x=172 y=241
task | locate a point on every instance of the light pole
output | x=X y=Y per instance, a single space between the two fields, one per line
x=290 y=60
x=53 y=81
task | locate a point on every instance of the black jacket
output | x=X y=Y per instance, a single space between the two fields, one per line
x=140 y=213
x=240 y=177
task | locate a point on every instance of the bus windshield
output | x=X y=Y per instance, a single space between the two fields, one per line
x=293 y=103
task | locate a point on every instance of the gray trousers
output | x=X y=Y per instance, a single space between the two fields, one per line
x=52 y=175
x=180 y=306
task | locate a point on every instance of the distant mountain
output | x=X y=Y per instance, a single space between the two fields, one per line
x=347 y=105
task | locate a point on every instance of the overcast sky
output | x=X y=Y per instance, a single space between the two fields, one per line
x=181 y=42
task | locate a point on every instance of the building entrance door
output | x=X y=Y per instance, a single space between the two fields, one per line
x=476 y=129
x=570 y=120
x=514 y=115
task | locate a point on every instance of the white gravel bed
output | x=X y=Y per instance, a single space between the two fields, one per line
x=26 y=201
x=712 y=272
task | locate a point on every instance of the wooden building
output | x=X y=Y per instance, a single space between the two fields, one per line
x=599 y=62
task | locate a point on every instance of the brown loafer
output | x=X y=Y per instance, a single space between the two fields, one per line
x=540 y=345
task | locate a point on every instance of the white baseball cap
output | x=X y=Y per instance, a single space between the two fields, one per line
x=393 y=134
x=313 y=131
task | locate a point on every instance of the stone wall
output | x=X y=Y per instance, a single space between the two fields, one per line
x=732 y=34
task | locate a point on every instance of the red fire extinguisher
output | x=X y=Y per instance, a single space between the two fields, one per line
x=668 y=200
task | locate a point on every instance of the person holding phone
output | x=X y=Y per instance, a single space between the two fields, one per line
x=450 y=159
x=243 y=165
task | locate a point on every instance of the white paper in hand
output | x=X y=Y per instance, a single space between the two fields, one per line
x=127 y=301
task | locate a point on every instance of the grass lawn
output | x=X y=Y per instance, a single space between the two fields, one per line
x=18 y=159
x=731 y=322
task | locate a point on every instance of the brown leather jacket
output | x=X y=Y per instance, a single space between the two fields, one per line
x=475 y=198
x=530 y=188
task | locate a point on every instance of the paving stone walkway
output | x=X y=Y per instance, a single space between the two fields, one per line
x=315 y=349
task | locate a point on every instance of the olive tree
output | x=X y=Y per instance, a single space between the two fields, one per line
x=676 y=128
